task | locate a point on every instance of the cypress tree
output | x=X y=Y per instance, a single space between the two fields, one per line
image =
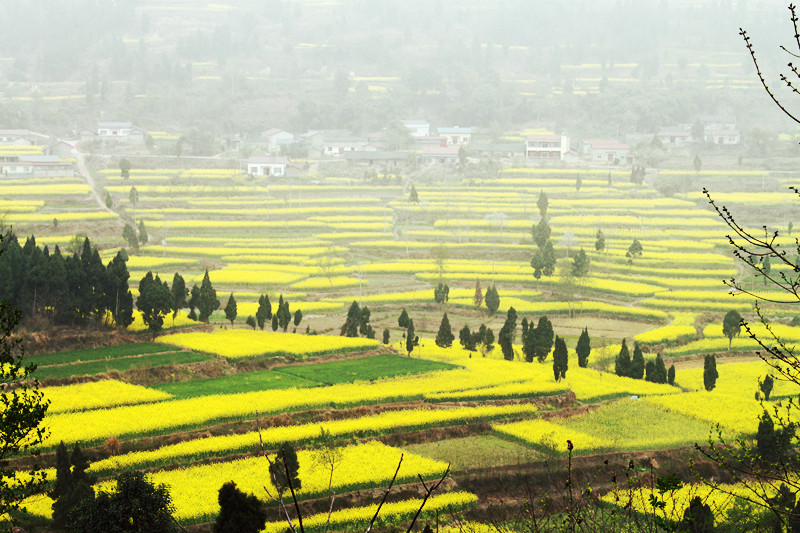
x=261 y=312
x=560 y=359
x=386 y=336
x=288 y=456
x=411 y=339
x=298 y=317
x=650 y=371
x=766 y=386
x=506 y=336
x=660 y=372
x=477 y=299
x=583 y=348
x=275 y=322
x=492 y=300
x=671 y=375
x=73 y=485
x=231 y=309
x=622 y=365
x=207 y=301
x=467 y=339
x=350 y=326
x=543 y=338
x=444 y=337
x=698 y=517
x=402 y=320
x=251 y=321
x=710 y=373
x=179 y=294
x=636 y=369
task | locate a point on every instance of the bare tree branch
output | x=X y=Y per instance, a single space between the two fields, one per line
x=385 y=495
x=428 y=492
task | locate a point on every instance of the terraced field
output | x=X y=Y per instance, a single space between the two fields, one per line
x=195 y=397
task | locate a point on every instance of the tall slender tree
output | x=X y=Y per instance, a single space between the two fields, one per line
x=207 y=301
x=583 y=348
x=444 y=337
x=231 y=309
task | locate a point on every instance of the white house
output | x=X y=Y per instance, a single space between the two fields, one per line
x=259 y=165
x=335 y=143
x=675 y=135
x=37 y=166
x=119 y=131
x=551 y=147
x=418 y=128
x=456 y=136
x=606 y=151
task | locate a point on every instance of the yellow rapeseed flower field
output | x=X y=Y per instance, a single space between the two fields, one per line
x=239 y=343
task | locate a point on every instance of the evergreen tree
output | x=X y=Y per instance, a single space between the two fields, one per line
x=251 y=321
x=413 y=197
x=766 y=440
x=650 y=371
x=73 y=484
x=484 y=339
x=600 y=241
x=478 y=298
x=350 y=326
x=660 y=372
x=129 y=234
x=698 y=517
x=710 y=373
x=542 y=204
x=136 y=506
x=402 y=320
x=765 y=386
x=286 y=456
x=386 y=336
x=298 y=316
x=560 y=359
x=412 y=340
x=543 y=338
x=467 y=339
x=583 y=348
x=275 y=322
x=261 y=312
x=580 y=265
x=671 y=375
x=231 y=309
x=622 y=366
x=636 y=369
x=544 y=261
x=505 y=338
x=492 y=300
x=541 y=233
x=207 y=301
x=143 y=236
x=194 y=298
x=179 y=294
x=284 y=314
x=444 y=337
x=120 y=300
x=154 y=301
x=731 y=325
x=239 y=512
x=634 y=251
x=528 y=340
x=364 y=326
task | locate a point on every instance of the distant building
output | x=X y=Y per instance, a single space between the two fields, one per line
x=19 y=138
x=606 y=151
x=276 y=138
x=267 y=165
x=719 y=129
x=119 y=132
x=508 y=150
x=369 y=158
x=418 y=128
x=335 y=143
x=439 y=155
x=34 y=166
x=456 y=136
x=548 y=147
x=675 y=135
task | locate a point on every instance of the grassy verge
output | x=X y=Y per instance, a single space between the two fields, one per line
x=127 y=363
x=104 y=352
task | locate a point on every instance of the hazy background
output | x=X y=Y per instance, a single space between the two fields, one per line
x=608 y=68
